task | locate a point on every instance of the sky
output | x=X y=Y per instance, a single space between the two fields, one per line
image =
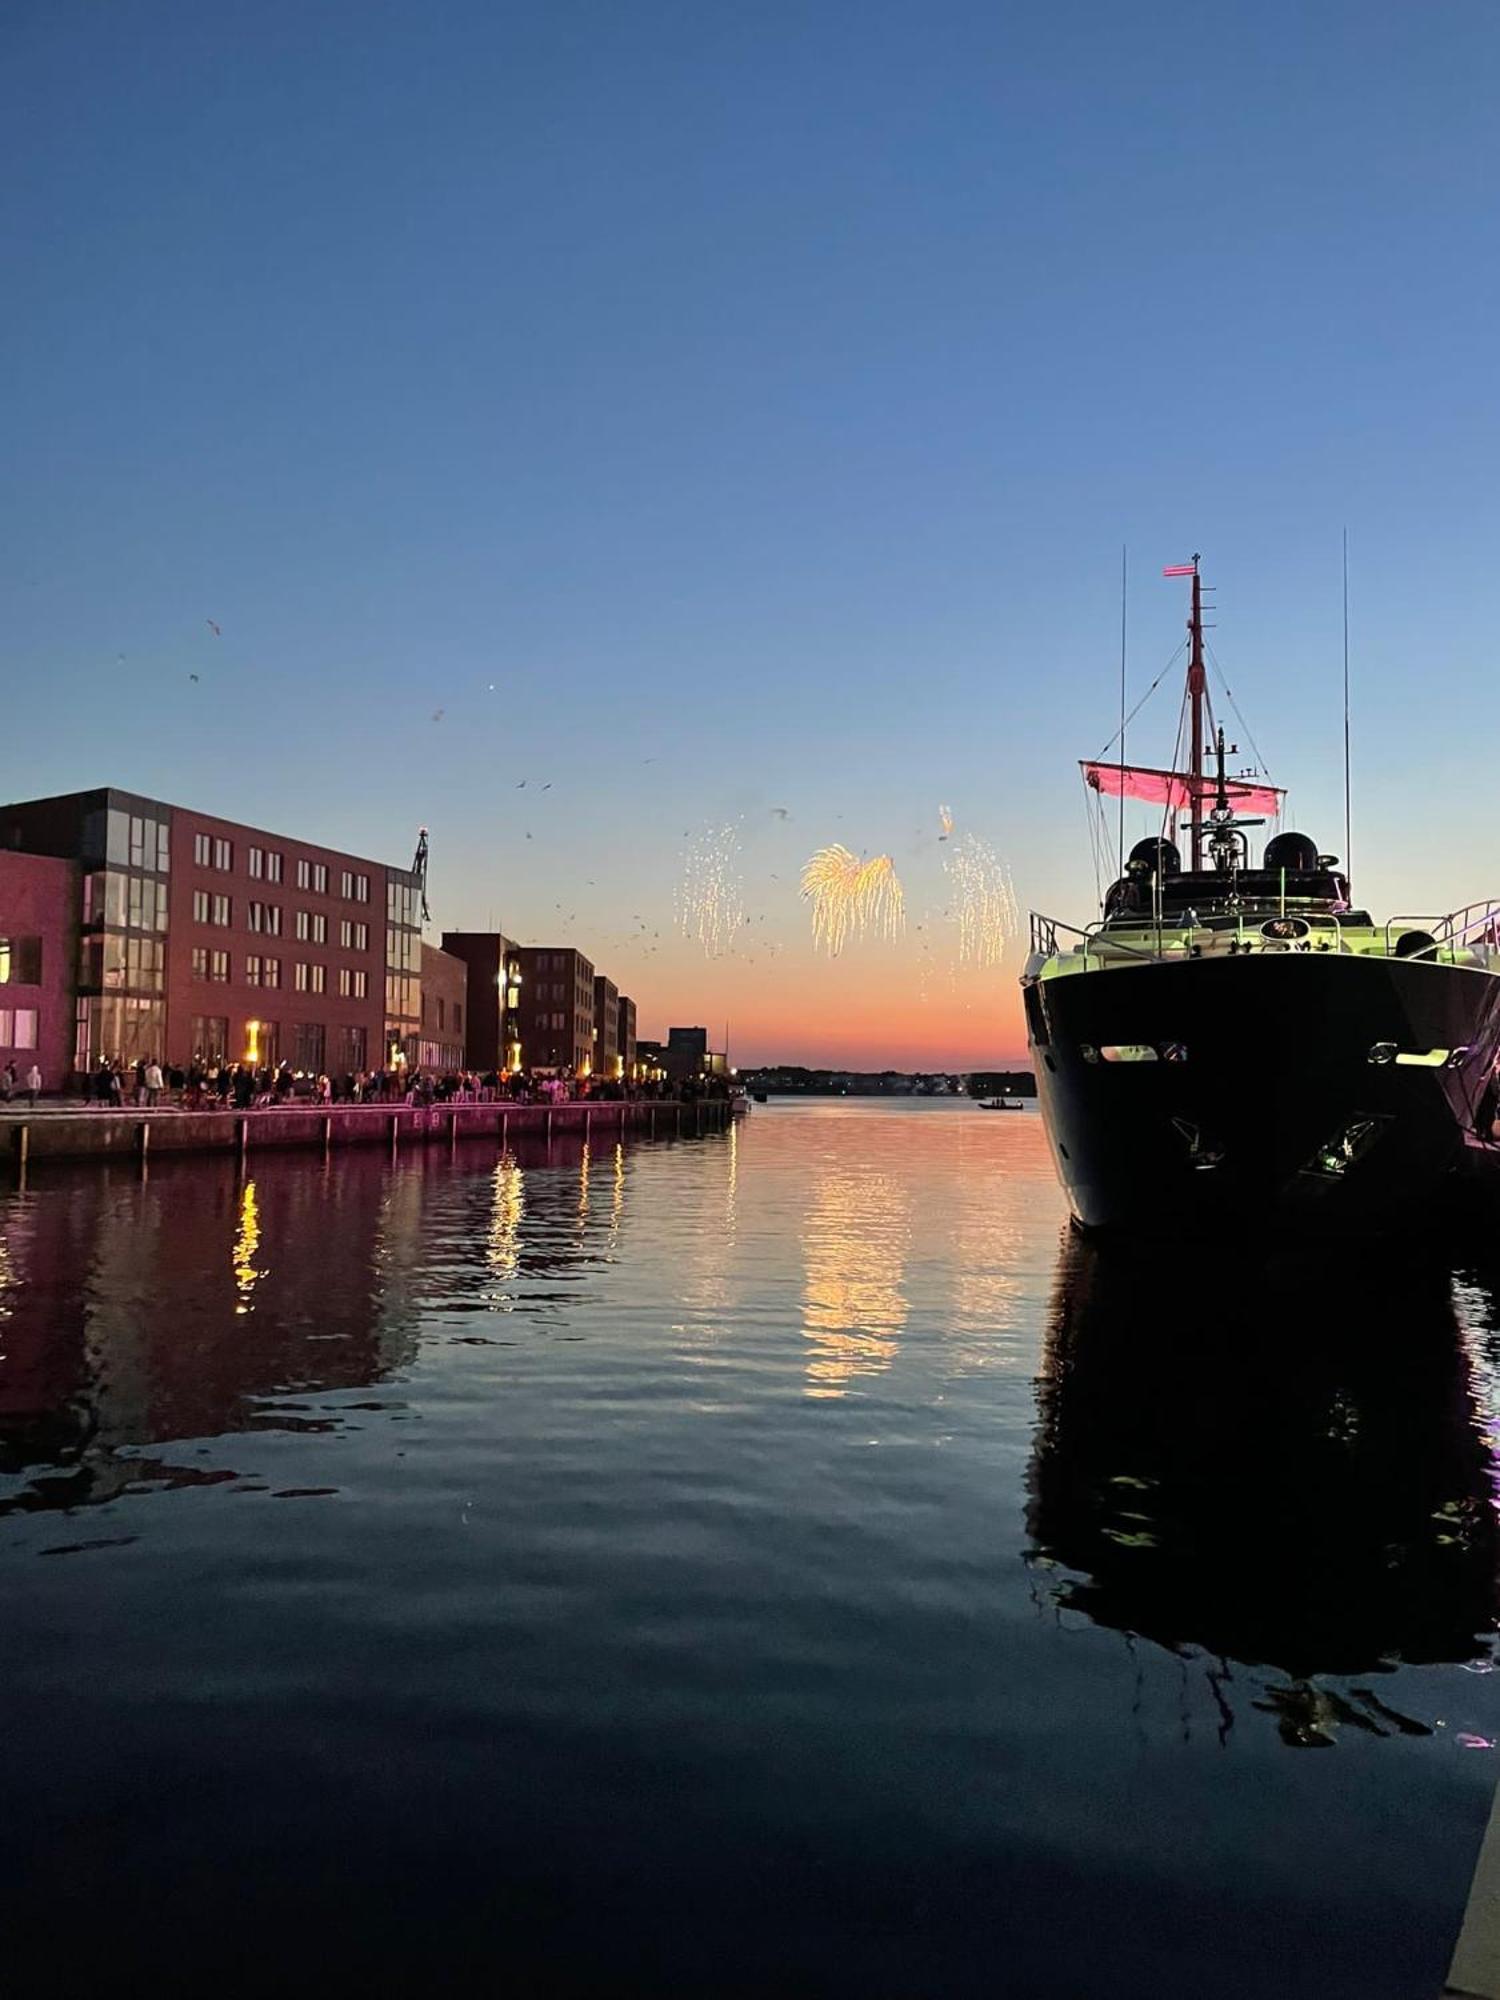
x=732 y=419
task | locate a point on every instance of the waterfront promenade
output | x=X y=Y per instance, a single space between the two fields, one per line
x=68 y=1132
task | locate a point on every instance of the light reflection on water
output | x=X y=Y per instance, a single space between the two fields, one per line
x=792 y=1529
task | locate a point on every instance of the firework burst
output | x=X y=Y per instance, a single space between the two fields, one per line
x=852 y=898
x=710 y=901
x=984 y=902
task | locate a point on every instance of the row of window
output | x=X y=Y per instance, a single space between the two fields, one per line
x=17 y=1027
x=442 y=1007
x=309 y=926
x=265 y=864
x=308 y=1051
x=213 y=966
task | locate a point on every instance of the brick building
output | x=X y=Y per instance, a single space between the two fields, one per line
x=201 y=938
x=440 y=1046
x=556 y=1010
x=606 y=1027
x=38 y=956
x=492 y=1021
x=625 y=1037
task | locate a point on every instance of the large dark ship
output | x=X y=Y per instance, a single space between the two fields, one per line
x=1235 y=1042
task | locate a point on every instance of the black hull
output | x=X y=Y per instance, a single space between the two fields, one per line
x=1274 y=1110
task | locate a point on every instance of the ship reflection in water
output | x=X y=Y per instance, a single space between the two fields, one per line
x=1286 y=1467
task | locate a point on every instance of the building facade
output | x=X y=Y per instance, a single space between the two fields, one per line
x=440 y=1045
x=38 y=958
x=557 y=1009
x=201 y=939
x=606 y=1028
x=625 y=1037
x=492 y=1018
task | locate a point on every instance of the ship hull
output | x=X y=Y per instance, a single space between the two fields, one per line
x=1261 y=1102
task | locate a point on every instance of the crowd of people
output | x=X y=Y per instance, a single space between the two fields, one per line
x=204 y=1086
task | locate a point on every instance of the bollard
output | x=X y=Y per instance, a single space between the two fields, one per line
x=549 y=1124
x=23 y=1146
x=395 y=1128
x=653 y=1121
x=242 y=1135
x=453 y=1132
x=143 y=1137
x=327 y=1135
x=504 y=1128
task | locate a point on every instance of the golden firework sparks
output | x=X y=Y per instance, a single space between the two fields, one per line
x=945 y=821
x=984 y=902
x=852 y=898
x=710 y=903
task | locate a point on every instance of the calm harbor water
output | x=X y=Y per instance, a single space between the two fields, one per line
x=778 y=1562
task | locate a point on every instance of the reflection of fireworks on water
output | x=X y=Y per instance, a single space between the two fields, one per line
x=850 y=897
x=710 y=908
x=983 y=901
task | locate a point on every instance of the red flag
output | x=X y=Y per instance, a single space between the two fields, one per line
x=1180 y=569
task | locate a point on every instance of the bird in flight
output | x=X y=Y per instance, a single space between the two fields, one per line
x=213 y=628
x=192 y=677
x=438 y=714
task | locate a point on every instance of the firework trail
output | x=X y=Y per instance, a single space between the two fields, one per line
x=983 y=901
x=710 y=904
x=945 y=820
x=851 y=897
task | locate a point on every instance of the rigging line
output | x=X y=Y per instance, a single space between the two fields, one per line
x=1124 y=718
x=1348 y=835
x=1143 y=700
x=1229 y=691
x=1182 y=717
x=1089 y=821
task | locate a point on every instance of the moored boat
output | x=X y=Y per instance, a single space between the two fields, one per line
x=1234 y=1042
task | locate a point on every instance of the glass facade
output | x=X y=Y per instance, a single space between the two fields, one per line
x=126 y=857
x=403 y=963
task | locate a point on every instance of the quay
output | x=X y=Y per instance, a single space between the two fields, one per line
x=30 y=1135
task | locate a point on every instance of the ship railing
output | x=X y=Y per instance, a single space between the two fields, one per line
x=1475 y=923
x=1045 y=933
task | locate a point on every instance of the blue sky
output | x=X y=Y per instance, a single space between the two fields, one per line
x=766 y=392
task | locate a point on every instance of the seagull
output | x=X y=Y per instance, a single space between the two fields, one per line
x=546 y=788
x=192 y=677
x=780 y=812
x=437 y=714
x=213 y=628
x=522 y=786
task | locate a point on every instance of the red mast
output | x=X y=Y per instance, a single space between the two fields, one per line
x=1197 y=688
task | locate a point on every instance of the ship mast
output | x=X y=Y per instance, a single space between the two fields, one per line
x=1197 y=688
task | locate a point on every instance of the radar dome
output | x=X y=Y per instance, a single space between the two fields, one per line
x=1160 y=856
x=1292 y=851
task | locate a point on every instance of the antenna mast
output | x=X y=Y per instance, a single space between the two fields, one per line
x=1348 y=835
x=1197 y=688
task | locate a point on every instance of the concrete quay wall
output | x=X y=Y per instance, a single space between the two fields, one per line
x=45 y=1134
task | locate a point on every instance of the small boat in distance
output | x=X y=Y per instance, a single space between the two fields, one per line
x=1001 y=1104
x=1234 y=1045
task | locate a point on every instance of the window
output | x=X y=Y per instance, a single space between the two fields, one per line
x=353 y=985
x=200 y=906
x=145 y=843
x=351 y=1049
x=200 y=961
x=346 y=934
x=307 y=1047
x=202 y=849
x=223 y=910
x=346 y=981
x=302 y=925
x=319 y=975
x=458 y=1018
x=320 y=878
x=273 y=865
x=255 y=862
x=210 y=1037
x=21 y=961
x=252 y=970
x=299 y=977
x=319 y=927
x=218 y=967
x=440 y=1013
x=223 y=854
x=346 y=885
x=304 y=874
x=361 y=888
x=270 y=972
x=361 y=985
x=145 y=905
x=17 y=1028
x=266 y=917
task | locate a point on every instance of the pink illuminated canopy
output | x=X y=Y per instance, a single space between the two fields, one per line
x=1174 y=789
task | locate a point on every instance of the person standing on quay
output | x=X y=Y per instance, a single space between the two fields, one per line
x=33 y=1082
x=8 y=1082
x=151 y=1076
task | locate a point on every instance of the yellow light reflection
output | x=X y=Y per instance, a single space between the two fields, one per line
x=507 y=1208
x=247 y=1273
x=855 y=1241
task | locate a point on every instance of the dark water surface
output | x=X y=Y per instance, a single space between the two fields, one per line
x=776 y=1563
